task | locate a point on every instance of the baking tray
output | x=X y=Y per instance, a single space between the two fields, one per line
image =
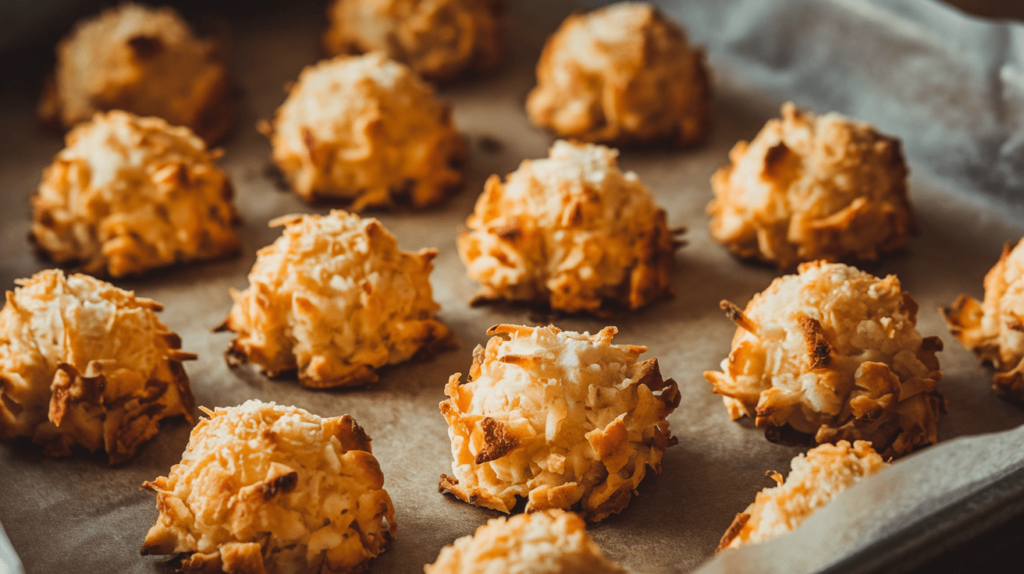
x=77 y=514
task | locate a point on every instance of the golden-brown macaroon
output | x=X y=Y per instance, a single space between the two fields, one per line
x=367 y=130
x=335 y=298
x=571 y=231
x=994 y=329
x=815 y=480
x=622 y=74
x=812 y=187
x=129 y=194
x=85 y=363
x=831 y=354
x=439 y=39
x=263 y=488
x=562 y=419
x=144 y=60
x=548 y=542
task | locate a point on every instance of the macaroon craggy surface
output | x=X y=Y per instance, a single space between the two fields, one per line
x=439 y=39
x=128 y=194
x=833 y=353
x=85 y=363
x=994 y=329
x=548 y=542
x=815 y=479
x=562 y=419
x=811 y=187
x=144 y=60
x=367 y=130
x=334 y=298
x=571 y=231
x=622 y=74
x=275 y=489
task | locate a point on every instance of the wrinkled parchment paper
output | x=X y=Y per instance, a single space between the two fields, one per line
x=944 y=83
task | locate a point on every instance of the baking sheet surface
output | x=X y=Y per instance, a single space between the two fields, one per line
x=78 y=515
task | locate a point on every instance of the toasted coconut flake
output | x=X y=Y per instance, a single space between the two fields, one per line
x=334 y=298
x=812 y=187
x=548 y=542
x=130 y=194
x=367 y=130
x=735 y=314
x=142 y=60
x=994 y=329
x=575 y=426
x=622 y=74
x=85 y=363
x=831 y=354
x=815 y=480
x=267 y=488
x=588 y=236
x=439 y=39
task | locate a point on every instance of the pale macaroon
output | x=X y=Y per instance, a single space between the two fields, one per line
x=546 y=542
x=85 y=363
x=622 y=74
x=811 y=187
x=265 y=488
x=571 y=231
x=440 y=40
x=144 y=60
x=129 y=194
x=833 y=353
x=368 y=131
x=334 y=299
x=561 y=419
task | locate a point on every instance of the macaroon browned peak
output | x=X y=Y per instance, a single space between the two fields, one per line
x=622 y=74
x=129 y=194
x=143 y=60
x=561 y=419
x=441 y=40
x=548 y=542
x=815 y=480
x=994 y=329
x=833 y=353
x=334 y=299
x=270 y=489
x=812 y=187
x=368 y=131
x=572 y=232
x=85 y=363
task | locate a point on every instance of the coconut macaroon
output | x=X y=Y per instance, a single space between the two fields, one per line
x=814 y=481
x=831 y=354
x=369 y=131
x=439 y=39
x=812 y=187
x=85 y=363
x=275 y=489
x=994 y=329
x=143 y=60
x=622 y=74
x=548 y=542
x=561 y=419
x=334 y=298
x=571 y=231
x=128 y=194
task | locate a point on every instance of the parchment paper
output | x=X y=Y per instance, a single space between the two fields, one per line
x=78 y=515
